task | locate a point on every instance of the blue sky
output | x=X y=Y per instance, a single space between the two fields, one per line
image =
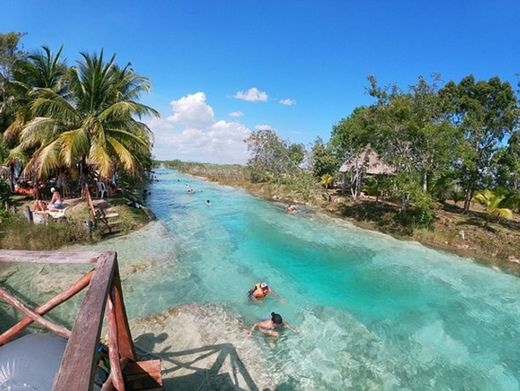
x=316 y=53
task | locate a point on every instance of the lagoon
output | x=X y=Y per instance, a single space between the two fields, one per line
x=374 y=313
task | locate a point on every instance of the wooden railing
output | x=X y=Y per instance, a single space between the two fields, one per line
x=104 y=297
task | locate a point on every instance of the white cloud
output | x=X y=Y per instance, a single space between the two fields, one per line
x=236 y=114
x=252 y=95
x=192 y=133
x=288 y=102
x=191 y=110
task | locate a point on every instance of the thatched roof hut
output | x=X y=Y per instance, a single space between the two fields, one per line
x=370 y=160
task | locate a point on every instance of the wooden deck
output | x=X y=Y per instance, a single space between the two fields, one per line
x=104 y=298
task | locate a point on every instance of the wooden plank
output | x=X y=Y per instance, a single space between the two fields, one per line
x=76 y=370
x=34 y=316
x=108 y=385
x=49 y=256
x=113 y=347
x=41 y=310
x=126 y=344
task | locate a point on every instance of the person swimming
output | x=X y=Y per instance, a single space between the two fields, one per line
x=260 y=291
x=272 y=326
x=208 y=202
x=292 y=209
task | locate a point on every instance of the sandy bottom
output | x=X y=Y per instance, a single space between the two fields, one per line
x=201 y=348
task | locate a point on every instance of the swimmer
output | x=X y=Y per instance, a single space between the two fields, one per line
x=291 y=208
x=272 y=326
x=208 y=203
x=261 y=290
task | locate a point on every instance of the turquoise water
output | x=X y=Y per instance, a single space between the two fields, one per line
x=373 y=312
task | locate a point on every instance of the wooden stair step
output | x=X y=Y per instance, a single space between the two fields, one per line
x=111 y=215
x=114 y=222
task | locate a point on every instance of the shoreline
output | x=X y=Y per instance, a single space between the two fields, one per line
x=510 y=266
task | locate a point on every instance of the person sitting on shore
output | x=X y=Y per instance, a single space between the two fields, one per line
x=39 y=206
x=272 y=326
x=261 y=290
x=291 y=208
x=56 y=201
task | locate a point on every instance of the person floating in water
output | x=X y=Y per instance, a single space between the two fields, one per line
x=208 y=202
x=261 y=290
x=272 y=326
x=190 y=190
x=291 y=208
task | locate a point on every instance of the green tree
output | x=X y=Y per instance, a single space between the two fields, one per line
x=323 y=160
x=492 y=202
x=95 y=124
x=10 y=53
x=41 y=69
x=484 y=113
x=271 y=156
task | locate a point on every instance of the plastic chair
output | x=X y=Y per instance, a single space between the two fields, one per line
x=101 y=190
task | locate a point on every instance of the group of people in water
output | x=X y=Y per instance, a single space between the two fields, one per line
x=260 y=291
x=276 y=324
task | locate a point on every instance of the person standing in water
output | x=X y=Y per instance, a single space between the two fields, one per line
x=272 y=326
x=261 y=290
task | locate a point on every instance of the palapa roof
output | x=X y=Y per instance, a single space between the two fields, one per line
x=373 y=164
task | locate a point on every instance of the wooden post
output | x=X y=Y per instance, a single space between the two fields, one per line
x=126 y=345
x=41 y=310
x=113 y=347
x=77 y=365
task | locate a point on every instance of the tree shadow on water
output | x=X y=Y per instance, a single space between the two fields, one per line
x=212 y=367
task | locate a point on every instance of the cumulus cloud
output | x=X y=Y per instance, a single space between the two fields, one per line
x=252 y=95
x=236 y=114
x=288 y=102
x=193 y=133
x=192 y=110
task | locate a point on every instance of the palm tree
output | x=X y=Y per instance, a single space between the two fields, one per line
x=95 y=123
x=42 y=69
x=491 y=202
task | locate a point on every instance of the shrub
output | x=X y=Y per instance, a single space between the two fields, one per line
x=18 y=234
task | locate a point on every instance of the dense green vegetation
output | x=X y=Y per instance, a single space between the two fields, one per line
x=54 y=117
x=80 y=123
x=438 y=143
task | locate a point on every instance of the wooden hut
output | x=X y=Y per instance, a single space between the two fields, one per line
x=368 y=162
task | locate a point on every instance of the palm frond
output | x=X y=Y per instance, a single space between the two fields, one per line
x=75 y=145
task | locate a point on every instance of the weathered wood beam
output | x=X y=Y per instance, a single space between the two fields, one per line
x=13 y=301
x=113 y=347
x=124 y=337
x=108 y=385
x=76 y=370
x=49 y=256
x=43 y=309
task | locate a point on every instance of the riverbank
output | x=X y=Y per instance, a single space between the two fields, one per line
x=16 y=233
x=495 y=243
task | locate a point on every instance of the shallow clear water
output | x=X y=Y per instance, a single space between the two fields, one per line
x=373 y=312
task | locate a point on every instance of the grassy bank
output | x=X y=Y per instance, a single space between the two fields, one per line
x=16 y=233
x=491 y=242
